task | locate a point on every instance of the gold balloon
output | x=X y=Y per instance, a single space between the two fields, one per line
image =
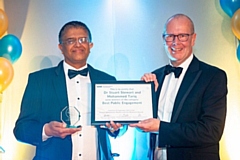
x=235 y=23
x=6 y=73
x=3 y=22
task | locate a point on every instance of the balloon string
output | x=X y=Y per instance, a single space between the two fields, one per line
x=1 y=148
x=1 y=95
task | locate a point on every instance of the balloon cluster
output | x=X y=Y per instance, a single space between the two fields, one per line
x=232 y=9
x=10 y=51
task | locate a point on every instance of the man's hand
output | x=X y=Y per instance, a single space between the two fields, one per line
x=113 y=126
x=58 y=129
x=148 y=125
x=149 y=77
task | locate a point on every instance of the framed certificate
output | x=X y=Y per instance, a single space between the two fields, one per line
x=121 y=101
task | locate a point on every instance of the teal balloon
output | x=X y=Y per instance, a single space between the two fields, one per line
x=238 y=53
x=230 y=6
x=10 y=48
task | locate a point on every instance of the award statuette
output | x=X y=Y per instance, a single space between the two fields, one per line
x=70 y=115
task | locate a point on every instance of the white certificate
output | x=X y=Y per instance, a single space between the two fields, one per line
x=121 y=101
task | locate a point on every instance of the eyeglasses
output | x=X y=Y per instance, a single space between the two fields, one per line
x=181 y=37
x=71 y=41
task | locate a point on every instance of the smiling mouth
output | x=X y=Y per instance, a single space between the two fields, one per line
x=79 y=50
x=176 y=49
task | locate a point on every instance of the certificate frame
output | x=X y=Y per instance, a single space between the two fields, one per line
x=119 y=101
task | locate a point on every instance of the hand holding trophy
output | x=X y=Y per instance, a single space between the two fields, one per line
x=70 y=115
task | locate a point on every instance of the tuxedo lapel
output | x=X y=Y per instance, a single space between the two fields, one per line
x=189 y=80
x=60 y=87
x=160 y=78
x=94 y=74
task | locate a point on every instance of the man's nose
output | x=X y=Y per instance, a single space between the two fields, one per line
x=78 y=43
x=175 y=40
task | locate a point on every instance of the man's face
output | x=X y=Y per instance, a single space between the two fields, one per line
x=177 y=50
x=74 y=52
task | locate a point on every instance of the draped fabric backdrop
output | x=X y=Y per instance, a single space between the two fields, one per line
x=127 y=43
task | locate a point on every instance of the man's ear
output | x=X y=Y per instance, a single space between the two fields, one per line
x=60 y=46
x=90 y=45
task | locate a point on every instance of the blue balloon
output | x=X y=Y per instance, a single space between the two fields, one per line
x=238 y=53
x=10 y=48
x=230 y=6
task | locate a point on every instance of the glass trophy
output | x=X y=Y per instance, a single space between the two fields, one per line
x=70 y=115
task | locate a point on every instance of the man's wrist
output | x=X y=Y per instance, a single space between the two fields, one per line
x=44 y=135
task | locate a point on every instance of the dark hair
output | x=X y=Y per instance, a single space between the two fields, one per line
x=75 y=24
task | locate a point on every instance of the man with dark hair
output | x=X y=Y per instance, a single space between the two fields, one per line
x=50 y=90
x=191 y=100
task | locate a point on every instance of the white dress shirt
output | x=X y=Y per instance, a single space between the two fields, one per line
x=84 y=142
x=79 y=95
x=166 y=101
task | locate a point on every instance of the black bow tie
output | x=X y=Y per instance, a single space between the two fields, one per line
x=73 y=73
x=176 y=70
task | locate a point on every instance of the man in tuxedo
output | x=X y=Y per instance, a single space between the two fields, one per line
x=50 y=90
x=191 y=100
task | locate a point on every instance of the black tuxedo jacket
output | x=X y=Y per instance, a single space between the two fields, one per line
x=44 y=98
x=198 y=115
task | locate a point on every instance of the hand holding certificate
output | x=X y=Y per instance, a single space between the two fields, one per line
x=121 y=101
